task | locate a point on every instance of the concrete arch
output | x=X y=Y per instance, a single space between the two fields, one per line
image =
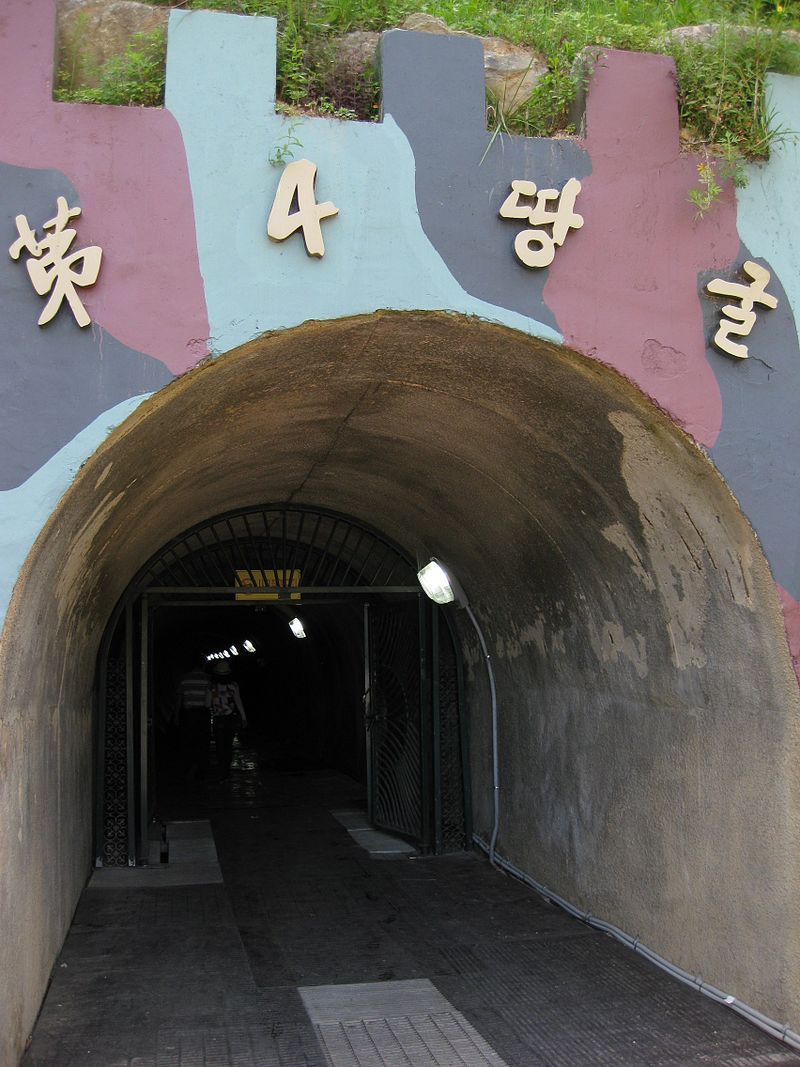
x=649 y=712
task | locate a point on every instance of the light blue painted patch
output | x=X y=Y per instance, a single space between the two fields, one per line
x=770 y=200
x=221 y=89
x=25 y=509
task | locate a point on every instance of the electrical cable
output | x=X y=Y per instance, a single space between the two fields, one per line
x=495 y=756
x=775 y=1029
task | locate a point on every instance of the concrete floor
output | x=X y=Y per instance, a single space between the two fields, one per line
x=299 y=948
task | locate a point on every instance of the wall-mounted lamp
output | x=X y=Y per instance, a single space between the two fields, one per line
x=297 y=627
x=442 y=587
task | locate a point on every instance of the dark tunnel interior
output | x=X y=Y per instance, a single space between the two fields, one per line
x=302 y=696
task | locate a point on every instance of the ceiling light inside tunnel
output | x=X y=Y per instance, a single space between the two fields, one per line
x=297 y=627
x=248 y=646
x=226 y=653
x=234 y=650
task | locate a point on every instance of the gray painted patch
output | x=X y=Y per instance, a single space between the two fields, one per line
x=433 y=87
x=758 y=449
x=56 y=378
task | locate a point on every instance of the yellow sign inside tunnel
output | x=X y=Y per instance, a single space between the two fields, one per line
x=261 y=579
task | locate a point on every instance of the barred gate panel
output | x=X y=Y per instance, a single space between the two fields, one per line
x=115 y=771
x=395 y=742
x=453 y=830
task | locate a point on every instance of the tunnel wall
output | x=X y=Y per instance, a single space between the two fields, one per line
x=178 y=199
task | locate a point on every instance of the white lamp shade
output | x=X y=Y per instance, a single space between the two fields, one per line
x=436 y=583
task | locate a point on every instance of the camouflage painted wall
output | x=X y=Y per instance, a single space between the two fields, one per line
x=178 y=199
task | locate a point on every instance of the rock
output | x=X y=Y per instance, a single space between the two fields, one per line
x=347 y=73
x=706 y=31
x=700 y=33
x=424 y=23
x=90 y=32
x=512 y=71
x=356 y=51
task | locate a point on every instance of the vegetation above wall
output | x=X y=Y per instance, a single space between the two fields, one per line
x=721 y=67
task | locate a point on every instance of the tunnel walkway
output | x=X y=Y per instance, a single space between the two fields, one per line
x=312 y=953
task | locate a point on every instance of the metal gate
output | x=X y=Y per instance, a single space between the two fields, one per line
x=416 y=743
x=398 y=721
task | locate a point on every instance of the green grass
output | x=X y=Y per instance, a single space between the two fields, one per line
x=720 y=84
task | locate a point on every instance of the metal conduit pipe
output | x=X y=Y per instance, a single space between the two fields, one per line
x=775 y=1029
x=495 y=756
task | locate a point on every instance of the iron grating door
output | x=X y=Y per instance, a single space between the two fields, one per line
x=114 y=810
x=451 y=778
x=397 y=722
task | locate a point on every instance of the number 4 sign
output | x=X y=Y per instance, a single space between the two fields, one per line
x=297 y=187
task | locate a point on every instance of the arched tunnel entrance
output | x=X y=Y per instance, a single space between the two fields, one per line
x=648 y=726
x=340 y=661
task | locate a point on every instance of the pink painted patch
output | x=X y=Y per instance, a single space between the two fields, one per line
x=129 y=168
x=624 y=288
x=791 y=618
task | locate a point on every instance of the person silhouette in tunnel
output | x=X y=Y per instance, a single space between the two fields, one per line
x=193 y=718
x=228 y=715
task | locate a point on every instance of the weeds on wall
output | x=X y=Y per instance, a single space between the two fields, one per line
x=723 y=111
x=721 y=83
x=135 y=77
x=282 y=152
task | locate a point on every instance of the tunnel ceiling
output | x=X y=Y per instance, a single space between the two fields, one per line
x=441 y=432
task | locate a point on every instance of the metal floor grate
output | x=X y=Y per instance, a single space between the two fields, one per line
x=394 y=1024
x=244 y=1046
x=442 y=1040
